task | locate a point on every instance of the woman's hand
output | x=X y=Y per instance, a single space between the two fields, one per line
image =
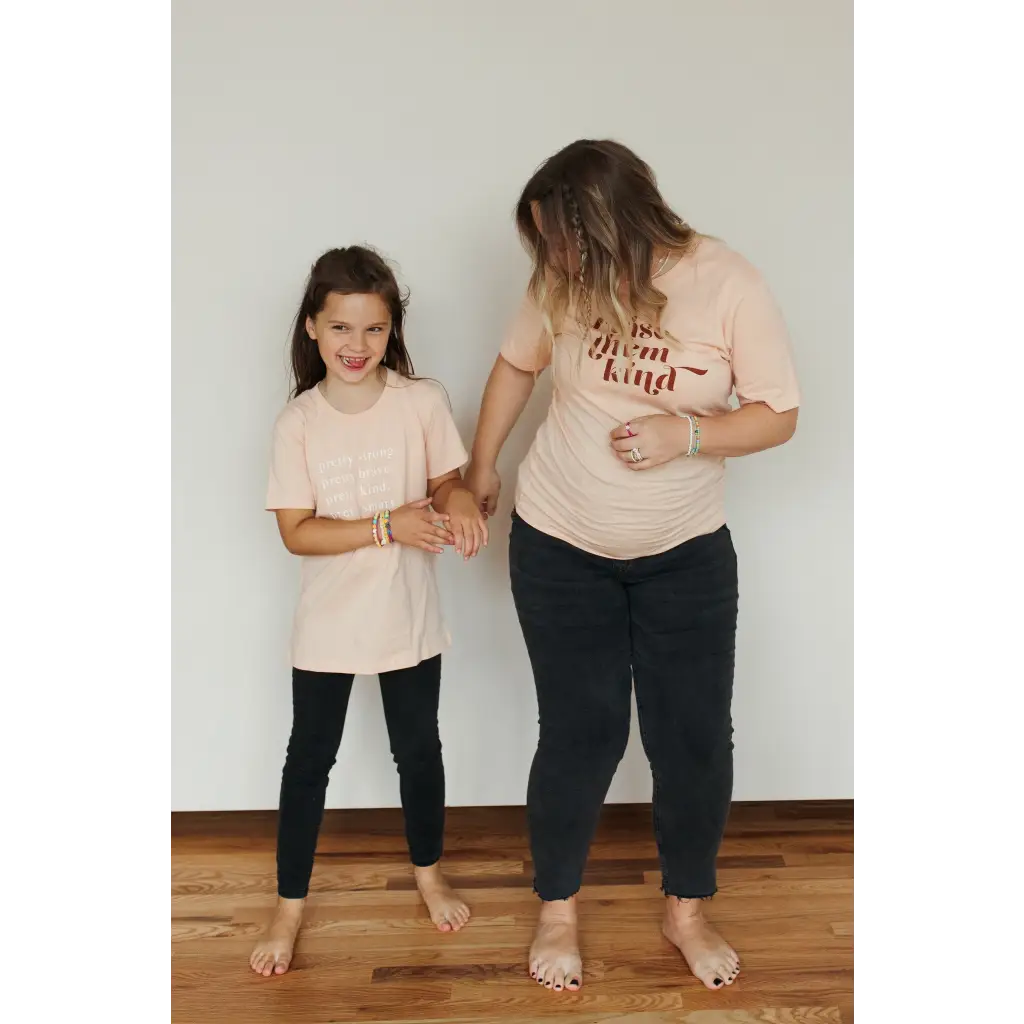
x=415 y=525
x=468 y=525
x=483 y=480
x=659 y=438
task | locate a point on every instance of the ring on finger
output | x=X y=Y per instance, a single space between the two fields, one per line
x=634 y=454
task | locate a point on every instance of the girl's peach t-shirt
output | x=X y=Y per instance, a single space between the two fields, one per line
x=374 y=609
x=721 y=334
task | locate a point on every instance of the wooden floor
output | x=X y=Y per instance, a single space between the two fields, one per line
x=369 y=952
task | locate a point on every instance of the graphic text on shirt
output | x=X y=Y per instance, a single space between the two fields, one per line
x=361 y=489
x=621 y=360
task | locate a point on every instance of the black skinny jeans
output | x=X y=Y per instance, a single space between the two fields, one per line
x=319 y=703
x=594 y=626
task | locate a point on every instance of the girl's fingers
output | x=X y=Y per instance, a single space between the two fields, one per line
x=420 y=503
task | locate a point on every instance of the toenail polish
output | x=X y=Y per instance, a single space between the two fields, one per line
x=718 y=981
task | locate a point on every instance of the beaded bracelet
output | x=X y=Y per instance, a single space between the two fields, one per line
x=380 y=526
x=694 y=447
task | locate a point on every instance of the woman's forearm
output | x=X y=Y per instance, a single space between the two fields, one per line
x=753 y=428
x=505 y=396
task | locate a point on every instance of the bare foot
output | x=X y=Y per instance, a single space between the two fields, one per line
x=273 y=953
x=710 y=957
x=446 y=910
x=555 y=954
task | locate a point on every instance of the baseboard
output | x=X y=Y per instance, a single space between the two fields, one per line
x=387 y=819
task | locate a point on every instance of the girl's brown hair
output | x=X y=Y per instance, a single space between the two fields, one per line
x=599 y=199
x=355 y=270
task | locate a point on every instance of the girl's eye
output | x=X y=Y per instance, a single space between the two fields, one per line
x=339 y=327
x=376 y=330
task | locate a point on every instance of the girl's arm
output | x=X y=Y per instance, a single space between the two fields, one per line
x=465 y=521
x=304 y=534
x=505 y=396
x=414 y=524
x=443 y=488
x=660 y=438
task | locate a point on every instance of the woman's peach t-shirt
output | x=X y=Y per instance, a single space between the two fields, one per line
x=721 y=333
x=374 y=609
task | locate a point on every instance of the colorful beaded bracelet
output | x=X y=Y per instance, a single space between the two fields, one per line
x=381 y=528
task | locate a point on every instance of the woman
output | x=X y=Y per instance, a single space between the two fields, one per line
x=622 y=567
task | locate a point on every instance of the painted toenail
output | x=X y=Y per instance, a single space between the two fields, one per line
x=718 y=981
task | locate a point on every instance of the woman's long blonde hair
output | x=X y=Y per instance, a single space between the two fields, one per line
x=603 y=220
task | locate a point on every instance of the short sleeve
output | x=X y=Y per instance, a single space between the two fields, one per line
x=760 y=350
x=527 y=345
x=289 y=485
x=445 y=450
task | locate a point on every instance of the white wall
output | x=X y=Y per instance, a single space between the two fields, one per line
x=304 y=125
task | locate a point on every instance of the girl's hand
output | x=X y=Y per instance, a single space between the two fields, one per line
x=467 y=523
x=659 y=438
x=415 y=524
x=485 y=484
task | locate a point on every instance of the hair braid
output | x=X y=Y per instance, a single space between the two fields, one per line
x=583 y=307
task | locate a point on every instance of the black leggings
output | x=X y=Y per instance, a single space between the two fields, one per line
x=319 y=703
x=593 y=627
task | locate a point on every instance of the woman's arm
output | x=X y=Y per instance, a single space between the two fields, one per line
x=753 y=428
x=660 y=438
x=505 y=396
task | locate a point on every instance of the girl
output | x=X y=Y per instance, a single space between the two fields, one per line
x=365 y=483
x=623 y=570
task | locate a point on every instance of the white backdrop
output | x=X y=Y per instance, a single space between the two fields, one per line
x=307 y=124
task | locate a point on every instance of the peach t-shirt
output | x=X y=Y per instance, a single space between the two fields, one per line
x=374 y=609
x=729 y=337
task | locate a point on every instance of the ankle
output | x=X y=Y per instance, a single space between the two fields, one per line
x=563 y=911
x=290 y=908
x=681 y=909
x=431 y=873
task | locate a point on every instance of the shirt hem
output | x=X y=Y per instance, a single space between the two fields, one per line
x=407 y=659
x=575 y=542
